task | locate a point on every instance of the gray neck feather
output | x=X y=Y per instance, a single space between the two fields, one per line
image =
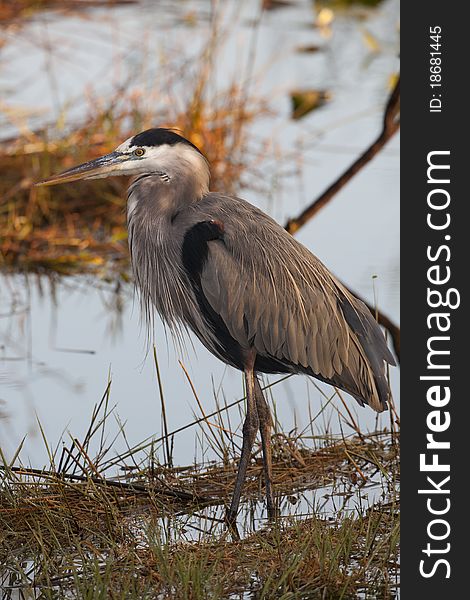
x=154 y=200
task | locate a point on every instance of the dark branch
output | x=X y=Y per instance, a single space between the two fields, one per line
x=390 y=127
x=131 y=487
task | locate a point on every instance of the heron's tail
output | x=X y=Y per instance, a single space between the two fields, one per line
x=366 y=376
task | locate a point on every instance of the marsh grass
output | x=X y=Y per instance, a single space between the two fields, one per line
x=95 y=523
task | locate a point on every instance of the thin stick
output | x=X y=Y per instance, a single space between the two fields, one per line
x=162 y=402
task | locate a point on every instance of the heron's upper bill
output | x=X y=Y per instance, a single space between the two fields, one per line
x=104 y=166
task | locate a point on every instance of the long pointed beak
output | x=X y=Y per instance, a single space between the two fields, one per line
x=93 y=169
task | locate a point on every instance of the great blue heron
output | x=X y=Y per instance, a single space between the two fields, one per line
x=254 y=296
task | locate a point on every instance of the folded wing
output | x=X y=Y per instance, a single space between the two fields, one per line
x=274 y=295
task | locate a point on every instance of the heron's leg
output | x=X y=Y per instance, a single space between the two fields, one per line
x=265 y=425
x=250 y=428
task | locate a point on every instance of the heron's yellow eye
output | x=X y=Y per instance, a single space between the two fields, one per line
x=139 y=152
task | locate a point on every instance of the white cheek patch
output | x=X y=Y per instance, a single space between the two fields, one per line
x=124 y=147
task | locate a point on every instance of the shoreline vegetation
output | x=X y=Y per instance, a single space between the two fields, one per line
x=95 y=523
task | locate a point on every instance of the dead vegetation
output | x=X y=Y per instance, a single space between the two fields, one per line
x=134 y=528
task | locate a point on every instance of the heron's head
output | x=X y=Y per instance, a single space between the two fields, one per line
x=160 y=151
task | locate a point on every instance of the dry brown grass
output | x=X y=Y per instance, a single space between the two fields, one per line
x=130 y=527
x=82 y=228
x=160 y=531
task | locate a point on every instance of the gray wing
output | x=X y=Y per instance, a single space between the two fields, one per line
x=275 y=296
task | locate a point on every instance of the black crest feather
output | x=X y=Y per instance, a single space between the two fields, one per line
x=158 y=136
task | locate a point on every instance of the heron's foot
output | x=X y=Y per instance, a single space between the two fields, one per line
x=231 y=522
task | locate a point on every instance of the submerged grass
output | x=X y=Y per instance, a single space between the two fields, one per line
x=96 y=524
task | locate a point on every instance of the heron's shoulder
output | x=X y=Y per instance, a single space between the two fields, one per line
x=233 y=210
x=229 y=202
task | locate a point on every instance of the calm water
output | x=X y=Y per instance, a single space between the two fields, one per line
x=57 y=348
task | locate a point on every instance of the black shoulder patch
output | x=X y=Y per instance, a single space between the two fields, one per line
x=194 y=251
x=158 y=136
x=194 y=255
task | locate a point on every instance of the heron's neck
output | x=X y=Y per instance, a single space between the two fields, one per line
x=163 y=194
x=189 y=171
x=153 y=200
